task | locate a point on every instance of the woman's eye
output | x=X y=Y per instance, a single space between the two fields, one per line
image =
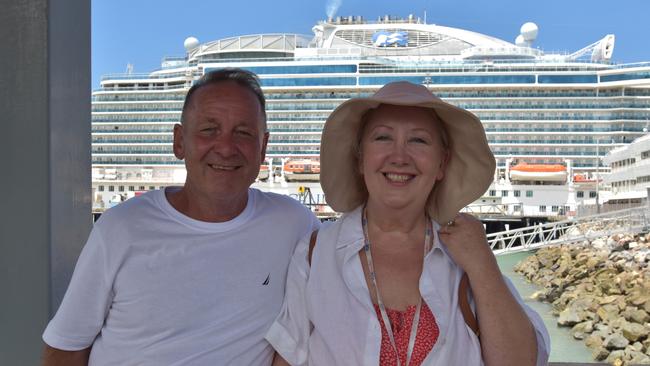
x=382 y=138
x=419 y=140
x=207 y=129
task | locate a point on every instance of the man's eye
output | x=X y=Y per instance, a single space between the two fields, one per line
x=245 y=133
x=208 y=129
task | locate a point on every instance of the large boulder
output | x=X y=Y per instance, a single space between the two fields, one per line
x=594 y=341
x=615 y=341
x=608 y=313
x=570 y=317
x=616 y=357
x=634 y=332
x=581 y=330
x=636 y=315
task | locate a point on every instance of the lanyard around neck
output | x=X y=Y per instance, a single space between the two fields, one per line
x=382 y=309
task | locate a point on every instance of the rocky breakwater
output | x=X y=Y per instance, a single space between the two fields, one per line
x=601 y=289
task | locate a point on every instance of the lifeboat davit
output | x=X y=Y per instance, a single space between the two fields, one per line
x=538 y=172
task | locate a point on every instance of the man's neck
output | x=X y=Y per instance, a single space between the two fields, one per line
x=202 y=207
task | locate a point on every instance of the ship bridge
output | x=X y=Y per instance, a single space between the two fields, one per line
x=407 y=37
x=256 y=46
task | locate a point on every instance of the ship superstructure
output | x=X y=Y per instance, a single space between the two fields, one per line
x=537 y=108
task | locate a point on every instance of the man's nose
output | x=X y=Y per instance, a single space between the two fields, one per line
x=225 y=145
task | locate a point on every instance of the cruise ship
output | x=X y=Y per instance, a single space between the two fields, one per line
x=630 y=173
x=557 y=113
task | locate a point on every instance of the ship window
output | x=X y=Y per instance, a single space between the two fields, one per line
x=517 y=208
x=151 y=188
x=517 y=193
x=504 y=193
x=529 y=193
x=542 y=208
x=493 y=192
x=120 y=188
x=100 y=188
x=131 y=188
x=141 y=188
x=111 y=188
x=592 y=194
x=555 y=208
x=580 y=194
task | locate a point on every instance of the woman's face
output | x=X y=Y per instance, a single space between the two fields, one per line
x=402 y=156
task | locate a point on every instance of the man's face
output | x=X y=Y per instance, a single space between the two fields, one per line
x=222 y=140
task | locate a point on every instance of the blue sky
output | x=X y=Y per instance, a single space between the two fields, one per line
x=141 y=32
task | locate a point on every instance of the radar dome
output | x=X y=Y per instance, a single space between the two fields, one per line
x=519 y=41
x=529 y=31
x=190 y=43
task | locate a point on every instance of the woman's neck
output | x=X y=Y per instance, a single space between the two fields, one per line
x=404 y=220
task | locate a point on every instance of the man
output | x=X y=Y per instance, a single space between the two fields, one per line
x=192 y=275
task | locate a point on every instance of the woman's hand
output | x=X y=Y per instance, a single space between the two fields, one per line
x=466 y=242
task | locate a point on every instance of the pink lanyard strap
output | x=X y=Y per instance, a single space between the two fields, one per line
x=428 y=233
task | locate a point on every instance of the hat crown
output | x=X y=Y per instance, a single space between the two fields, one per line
x=405 y=92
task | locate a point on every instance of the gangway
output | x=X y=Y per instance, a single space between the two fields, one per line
x=628 y=221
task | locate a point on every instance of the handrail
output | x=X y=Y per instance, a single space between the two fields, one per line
x=633 y=220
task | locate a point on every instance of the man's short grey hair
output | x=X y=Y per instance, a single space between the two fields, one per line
x=242 y=77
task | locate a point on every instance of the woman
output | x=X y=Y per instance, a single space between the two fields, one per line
x=398 y=164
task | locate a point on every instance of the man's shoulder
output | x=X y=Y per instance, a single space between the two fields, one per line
x=278 y=202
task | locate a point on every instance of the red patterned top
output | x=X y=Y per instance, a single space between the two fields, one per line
x=401 y=322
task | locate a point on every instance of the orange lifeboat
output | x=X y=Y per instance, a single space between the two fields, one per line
x=581 y=178
x=538 y=172
x=303 y=170
x=264 y=172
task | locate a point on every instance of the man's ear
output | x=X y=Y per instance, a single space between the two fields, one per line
x=179 y=150
x=265 y=141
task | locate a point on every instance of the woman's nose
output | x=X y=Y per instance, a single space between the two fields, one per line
x=399 y=154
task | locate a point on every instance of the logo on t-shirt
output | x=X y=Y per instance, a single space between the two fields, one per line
x=267 y=280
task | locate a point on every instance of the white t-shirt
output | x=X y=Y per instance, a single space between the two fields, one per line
x=328 y=317
x=155 y=287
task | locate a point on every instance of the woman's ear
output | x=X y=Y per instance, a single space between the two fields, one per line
x=444 y=163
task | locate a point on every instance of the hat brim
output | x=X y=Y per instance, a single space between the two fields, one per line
x=468 y=175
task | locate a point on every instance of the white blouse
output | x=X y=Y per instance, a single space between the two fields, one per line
x=328 y=317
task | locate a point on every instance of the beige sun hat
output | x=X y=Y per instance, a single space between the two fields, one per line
x=469 y=172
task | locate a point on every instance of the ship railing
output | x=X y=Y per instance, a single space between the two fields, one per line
x=148 y=76
x=140 y=88
x=628 y=221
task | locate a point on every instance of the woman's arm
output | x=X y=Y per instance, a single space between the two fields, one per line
x=507 y=334
x=279 y=361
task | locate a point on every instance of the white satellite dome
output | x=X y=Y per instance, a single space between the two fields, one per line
x=529 y=31
x=190 y=43
x=520 y=41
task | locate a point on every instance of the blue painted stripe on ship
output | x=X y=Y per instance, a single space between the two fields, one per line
x=298 y=69
x=450 y=79
x=627 y=76
x=567 y=79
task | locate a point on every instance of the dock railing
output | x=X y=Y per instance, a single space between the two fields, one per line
x=628 y=221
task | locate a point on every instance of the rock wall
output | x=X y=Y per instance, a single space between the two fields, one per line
x=601 y=289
